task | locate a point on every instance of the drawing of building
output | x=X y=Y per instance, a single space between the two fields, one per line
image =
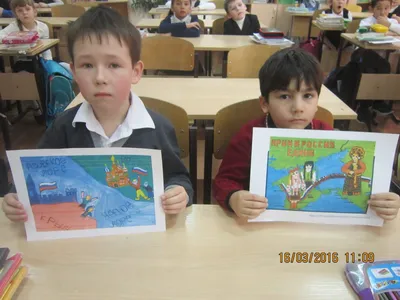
x=118 y=175
x=49 y=197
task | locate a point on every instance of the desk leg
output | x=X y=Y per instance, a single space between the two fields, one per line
x=193 y=159
x=209 y=63
x=339 y=57
x=40 y=84
x=208 y=154
x=321 y=46
x=291 y=27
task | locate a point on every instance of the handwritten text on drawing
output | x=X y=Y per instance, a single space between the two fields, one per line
x=301 y=148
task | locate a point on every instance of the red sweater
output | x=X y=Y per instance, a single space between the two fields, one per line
x=234 y=172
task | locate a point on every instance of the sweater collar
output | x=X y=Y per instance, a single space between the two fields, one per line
x=269 y=123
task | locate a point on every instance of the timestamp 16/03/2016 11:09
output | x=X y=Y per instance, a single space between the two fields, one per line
x=325 y=257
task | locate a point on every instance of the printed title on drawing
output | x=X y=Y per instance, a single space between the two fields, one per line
x=301 y=147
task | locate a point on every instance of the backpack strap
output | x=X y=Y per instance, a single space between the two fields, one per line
x=345 y=13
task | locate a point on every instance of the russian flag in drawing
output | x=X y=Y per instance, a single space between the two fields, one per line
x=139 y=171
x=47 y=186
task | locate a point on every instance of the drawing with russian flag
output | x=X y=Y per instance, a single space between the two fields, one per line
x=47 y=186
x=80 y=192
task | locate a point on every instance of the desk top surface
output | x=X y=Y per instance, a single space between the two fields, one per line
x=204 y=254
x=209 y=95
x=42 y=45
x=351 y=37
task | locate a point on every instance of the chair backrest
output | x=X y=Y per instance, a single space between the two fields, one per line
x=167 y=53
x=177 y=116
x=230 y=119
x=67 y=10
x=354 y=8
x=353 y=26
x=202 y=29
x=246 y=61
x=219 y=4
x=218 y=26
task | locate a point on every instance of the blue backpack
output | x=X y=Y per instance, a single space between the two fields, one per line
x=58 y=87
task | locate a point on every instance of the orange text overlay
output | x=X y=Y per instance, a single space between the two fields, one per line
x=323 y=257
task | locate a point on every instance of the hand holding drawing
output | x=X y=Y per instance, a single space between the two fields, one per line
x=247 y=205
x=386 y=205
x=174 y=200
x=13 y=209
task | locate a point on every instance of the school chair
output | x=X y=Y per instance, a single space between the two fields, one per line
x=314 y=17
x=185 y=134
x=228 y=122
x=371 y=87
x=246 y=61
x=169 y=53
x=219 y=4
x=202 y=27
x=353 y=8
x=67 y=10
x=218 y=26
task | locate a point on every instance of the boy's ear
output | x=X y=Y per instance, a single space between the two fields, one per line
x=263 y=104
x=137 y=72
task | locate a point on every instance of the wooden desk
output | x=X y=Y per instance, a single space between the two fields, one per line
x=56 y=22
x=351 y=37
x=205 y=253
x=119 y=5
x=209 y=95
x=300 y=23
x=41 y=46
x=323 y=29
x=43 y=11
x=213 y=12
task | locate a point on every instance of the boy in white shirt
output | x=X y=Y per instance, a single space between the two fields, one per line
x=380 y=9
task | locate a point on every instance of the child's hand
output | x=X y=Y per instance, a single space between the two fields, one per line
x=396 y=18
x=193 y=25
x=174 y=200
x=13 y=209
x=386 y=205
x=383 y=21
x=247 y=205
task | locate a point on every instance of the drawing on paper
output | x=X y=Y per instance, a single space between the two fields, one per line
x=87 y=192
x=319 y=175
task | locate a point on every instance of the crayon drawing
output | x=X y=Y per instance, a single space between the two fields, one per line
x=324 y=177
x=84 y=192
x=319 y=175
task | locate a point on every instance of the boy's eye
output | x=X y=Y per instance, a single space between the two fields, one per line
x=114 y=66
x=308 y=96
x=86 y=66
x=284 y=96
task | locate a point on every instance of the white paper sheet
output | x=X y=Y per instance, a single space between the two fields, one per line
x=327 y=191
x=70 y=193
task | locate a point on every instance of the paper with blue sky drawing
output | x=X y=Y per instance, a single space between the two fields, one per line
x=71 y=193
x=320 y=176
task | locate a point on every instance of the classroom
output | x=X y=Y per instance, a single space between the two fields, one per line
x=163 y=148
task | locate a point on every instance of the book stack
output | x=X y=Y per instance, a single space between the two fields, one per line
x=331 y=22
x=19 y=41
x=376 y=38
x=376 y=280
x=259 y=39
x=12 y=272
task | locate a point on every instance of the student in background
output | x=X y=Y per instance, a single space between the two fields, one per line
x=197 y=5
x=380 y=10
x=290 y=84
x=25 y=13
x=239 y=23
x=394 y=10
x=5 y=10
x=48 y=3
x=105 y=52
x=181 y=23
x=337 y=9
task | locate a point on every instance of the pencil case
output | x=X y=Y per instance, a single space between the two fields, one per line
x=21 y=37
x=374 y=281
x=379 y=28
x=271 y=33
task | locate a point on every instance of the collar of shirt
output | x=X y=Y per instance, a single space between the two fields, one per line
x=240 y=22
x=186 y=19
x=136 y=118
x=33 y=29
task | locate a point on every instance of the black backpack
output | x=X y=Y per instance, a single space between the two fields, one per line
x=343 y=80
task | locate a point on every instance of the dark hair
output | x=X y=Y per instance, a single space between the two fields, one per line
x=309 y=163
x=375 y=2
x=226 y=5
x=100 y=21
x=288 y=64
x=20 y=3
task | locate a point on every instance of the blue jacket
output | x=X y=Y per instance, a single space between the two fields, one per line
x=178 y=29
x=7 y=14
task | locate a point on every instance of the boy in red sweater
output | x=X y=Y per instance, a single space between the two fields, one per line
x=290 y=84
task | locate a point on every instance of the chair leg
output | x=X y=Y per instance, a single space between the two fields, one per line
x=208 y=152
x=193 y=160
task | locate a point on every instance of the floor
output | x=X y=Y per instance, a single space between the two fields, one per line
x=26 y=134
